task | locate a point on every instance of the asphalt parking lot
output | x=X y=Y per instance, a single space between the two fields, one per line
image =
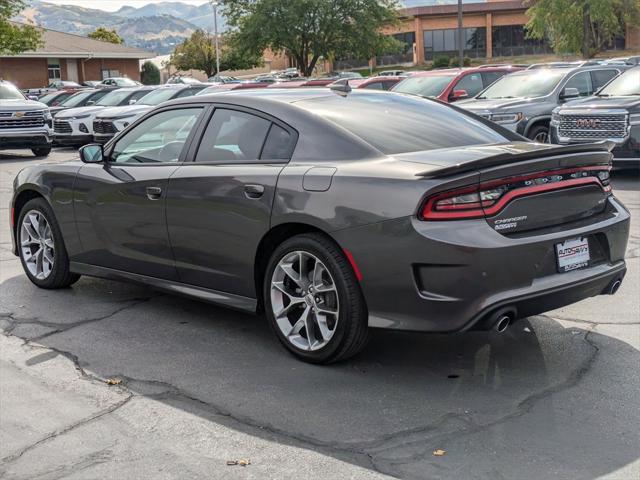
x=555 y=397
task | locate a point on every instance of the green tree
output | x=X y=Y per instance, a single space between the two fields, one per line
x=15 y=38
x=581 y=26
x=150 y=74
x=310 y=29
x=105 y=35
x=198 y=52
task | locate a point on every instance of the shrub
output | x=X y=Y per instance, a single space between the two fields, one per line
x=441 y=61
x=455 y=62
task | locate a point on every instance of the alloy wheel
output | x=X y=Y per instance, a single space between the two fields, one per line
x=36 y=244
x=542 y=137
x=304 y=299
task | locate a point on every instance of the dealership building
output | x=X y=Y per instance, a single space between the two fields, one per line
x=64 y=56
x=494 y=28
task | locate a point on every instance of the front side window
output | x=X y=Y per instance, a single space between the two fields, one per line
x=472 y=83
x=158 y=139
x=582 y=82
x=233 y=136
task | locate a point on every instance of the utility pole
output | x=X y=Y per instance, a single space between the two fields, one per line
x=460 y=35
x=214 y=4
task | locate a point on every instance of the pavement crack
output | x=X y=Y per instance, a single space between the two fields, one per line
x=91 y=418
x=64 y=327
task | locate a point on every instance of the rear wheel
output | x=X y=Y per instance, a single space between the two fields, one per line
x=539 y=133
x=41 y=247
x=41 y=151
x=313 y=300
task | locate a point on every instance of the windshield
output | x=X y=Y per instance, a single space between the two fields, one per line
x=626 y=84
x=115 y=98
x=77 y=99
x=9 y=92
x=158 y=96
x=427 y=86
x=50 y=97
x=533 y=83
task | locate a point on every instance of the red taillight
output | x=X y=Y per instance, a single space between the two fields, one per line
x=489 y=198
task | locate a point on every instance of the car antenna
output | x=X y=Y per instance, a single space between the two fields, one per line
x=341 y=88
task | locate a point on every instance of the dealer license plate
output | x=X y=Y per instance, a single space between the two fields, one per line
x=572 y=254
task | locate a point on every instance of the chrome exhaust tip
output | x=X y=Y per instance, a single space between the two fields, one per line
x=613 y=288
x=502 y=323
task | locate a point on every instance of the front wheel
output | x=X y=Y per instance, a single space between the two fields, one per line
x=539 y=134
x=41 y=247
x=41 y=151
x=313 y=300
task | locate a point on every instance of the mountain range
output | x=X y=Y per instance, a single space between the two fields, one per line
x=157 y=27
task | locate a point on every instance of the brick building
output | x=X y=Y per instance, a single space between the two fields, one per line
x=71 y=57
x=493 y=28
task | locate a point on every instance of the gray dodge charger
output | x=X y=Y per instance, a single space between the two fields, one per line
x=332 y=212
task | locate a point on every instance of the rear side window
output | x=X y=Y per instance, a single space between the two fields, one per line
x=233 y=136
x=279 y=144
x=402 y=123
x=601 y=77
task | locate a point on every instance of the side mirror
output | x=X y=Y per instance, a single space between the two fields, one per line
x=569 y=92
x=459 y=95
x=132 y=102
x=92 y=153
x=90 y=102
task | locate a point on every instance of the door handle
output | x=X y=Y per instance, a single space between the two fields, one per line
x=253 y=191
x=154 y=193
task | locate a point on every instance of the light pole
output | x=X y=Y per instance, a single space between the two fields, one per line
x=214 y=4
x=460 y=35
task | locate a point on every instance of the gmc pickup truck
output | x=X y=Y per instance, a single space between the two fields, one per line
x=613 y=114
x=23 y=123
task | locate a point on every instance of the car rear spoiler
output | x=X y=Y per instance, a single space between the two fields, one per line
x=508 y=158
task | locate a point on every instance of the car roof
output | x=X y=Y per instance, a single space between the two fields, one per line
x=458 y=71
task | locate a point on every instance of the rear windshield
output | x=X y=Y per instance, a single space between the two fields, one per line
x=402 y=123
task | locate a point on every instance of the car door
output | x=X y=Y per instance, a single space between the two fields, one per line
x=219 y=205
x=120 y=204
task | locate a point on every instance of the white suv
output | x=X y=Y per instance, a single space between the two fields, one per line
x=23 y=123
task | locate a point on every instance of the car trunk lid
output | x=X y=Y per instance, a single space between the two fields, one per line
x=525 y=187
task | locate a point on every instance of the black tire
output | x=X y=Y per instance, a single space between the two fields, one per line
x=41 y=151
x=351 y=331
x=539 y=130
x=60 y=276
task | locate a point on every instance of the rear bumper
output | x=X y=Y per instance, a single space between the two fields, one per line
x=448 y=276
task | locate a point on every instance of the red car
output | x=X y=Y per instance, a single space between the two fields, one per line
x=372 y=83
x=452 y=84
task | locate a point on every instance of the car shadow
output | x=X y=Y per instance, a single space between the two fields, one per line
x=386 y=409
